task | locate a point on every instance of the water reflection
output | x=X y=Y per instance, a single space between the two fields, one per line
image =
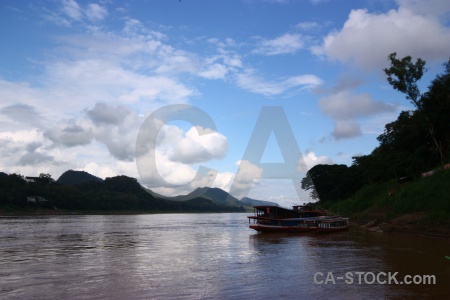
x=192 y=256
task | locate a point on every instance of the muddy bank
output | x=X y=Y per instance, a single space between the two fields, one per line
x=409 y=223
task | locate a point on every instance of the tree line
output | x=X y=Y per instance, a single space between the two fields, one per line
x=119 y=193
x=418 y=141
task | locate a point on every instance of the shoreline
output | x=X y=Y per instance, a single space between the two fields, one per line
x=408 y=223
x=50 y=212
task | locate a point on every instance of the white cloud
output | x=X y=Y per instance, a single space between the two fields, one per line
x=84 y=109
x=247 y=175
x=71 y=9
x=310 y=159
x=195 y=148
x=21 y=113
x=69 y=134
x=366 y=39
x=307 y=25
x=71 y=12
x=250 y=81
x=428 y=7
x=95 y=12
x=215 y=71
x=346 y=107
x=285 y=44
x=344 y=129
x=107 y=114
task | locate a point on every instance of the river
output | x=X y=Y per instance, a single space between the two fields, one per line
x=209 y=256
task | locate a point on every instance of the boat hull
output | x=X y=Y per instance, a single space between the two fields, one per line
x=278 y=228
x=326 y=230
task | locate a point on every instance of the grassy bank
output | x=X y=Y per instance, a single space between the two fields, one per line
x=424 y=202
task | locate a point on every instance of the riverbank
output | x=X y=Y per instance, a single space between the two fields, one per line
x=27 y=211
x=410 y=223
x=419 y=207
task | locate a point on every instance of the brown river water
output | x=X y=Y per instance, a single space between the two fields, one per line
x=210 y=256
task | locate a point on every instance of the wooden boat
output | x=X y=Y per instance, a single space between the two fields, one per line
x=332 y=225
x=278 y=219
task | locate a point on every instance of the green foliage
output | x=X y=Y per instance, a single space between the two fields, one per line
x=429 y=195
x=403 y=75
x=12 y=190
x=418 y=141
x=332 y=182
x=120 y=193
x=77 y=177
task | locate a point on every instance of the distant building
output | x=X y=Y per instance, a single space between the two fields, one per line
x=36 y=199
x=31 y=179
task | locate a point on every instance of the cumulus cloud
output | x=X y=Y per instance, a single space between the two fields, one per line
x=344 y=129
x=430 y=7
x=247 y=175
x=116 y=127
x=96 y=84
x=34 y=158
x=215 y=71
x=346 y=106
x=107 y=114
x=310 y=159
x=366 y=39
x=173 y=159
x=195 y=148
x=21 y=113
x=69 y=134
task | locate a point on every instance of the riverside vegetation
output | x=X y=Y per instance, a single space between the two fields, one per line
x=81 y=192
x=386 y=188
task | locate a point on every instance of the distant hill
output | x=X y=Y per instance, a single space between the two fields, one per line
x=79 y=191
x=155 y=194
x=252 y=202
x=216 y=195
x=73 y=177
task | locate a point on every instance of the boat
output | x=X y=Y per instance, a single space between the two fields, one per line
x=332 y=225
x=301 y=218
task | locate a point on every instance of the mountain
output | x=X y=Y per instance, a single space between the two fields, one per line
x=252 y=202
x=79 y=191
x=155 y=194
x=73 y=177
x=216 y=195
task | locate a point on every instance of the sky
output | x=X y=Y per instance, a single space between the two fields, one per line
x=243 y=95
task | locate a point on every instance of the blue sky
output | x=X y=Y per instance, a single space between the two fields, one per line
x=78 y=79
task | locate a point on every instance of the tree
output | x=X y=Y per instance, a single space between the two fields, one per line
x=436 y=102
x=331 y=182
x=45 y=178
x=308 y=185
x=403 y=75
